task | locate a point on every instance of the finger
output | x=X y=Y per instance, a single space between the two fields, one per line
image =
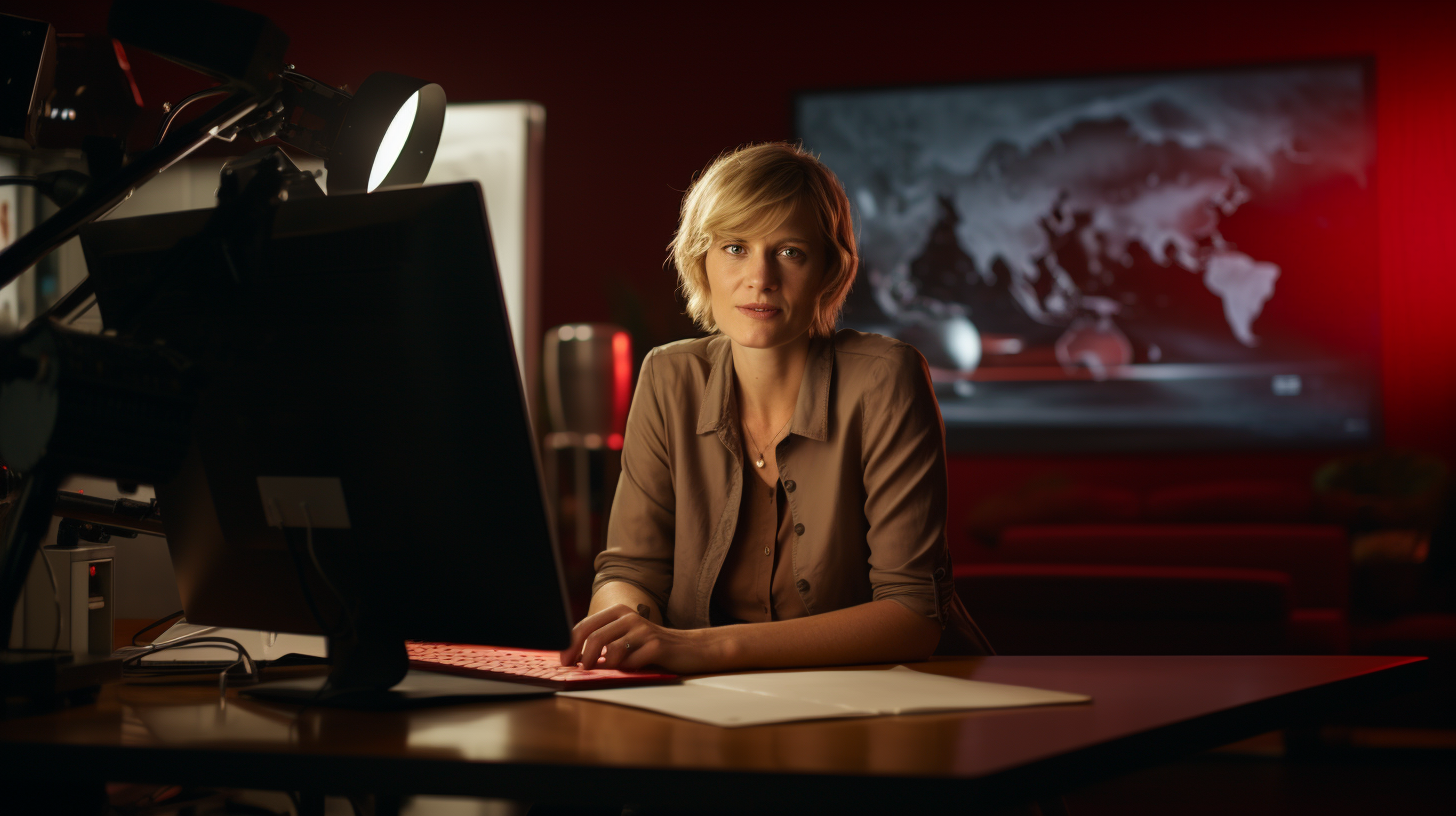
x=584 y=629
x=579 y=634
x=629 y=639
x=640 y=655
x=595 y=650
x=597 y=642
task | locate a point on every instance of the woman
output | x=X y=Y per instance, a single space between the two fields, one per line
x=783 y=491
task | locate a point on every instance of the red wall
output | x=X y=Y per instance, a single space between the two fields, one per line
x=637 y=102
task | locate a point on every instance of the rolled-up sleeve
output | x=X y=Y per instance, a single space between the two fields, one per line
x=640 y=537
x=905 y=487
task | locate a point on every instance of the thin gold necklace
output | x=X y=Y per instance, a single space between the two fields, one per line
x=759 y=463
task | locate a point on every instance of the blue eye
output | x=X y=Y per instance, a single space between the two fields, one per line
x=734 y=249
x=792 y=252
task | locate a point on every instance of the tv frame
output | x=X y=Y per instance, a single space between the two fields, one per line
x=1132 y=439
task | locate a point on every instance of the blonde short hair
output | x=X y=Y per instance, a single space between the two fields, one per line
x=752 y=190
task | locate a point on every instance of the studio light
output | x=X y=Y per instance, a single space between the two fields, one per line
x=262 y=97
x=389 y=136
x=383 y=136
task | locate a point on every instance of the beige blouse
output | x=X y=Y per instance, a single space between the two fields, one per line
x=756 y=583
x=862 y=468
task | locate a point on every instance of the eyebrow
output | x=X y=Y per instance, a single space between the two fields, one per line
x=736 y=239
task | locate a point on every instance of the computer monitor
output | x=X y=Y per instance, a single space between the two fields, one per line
x=359 y=392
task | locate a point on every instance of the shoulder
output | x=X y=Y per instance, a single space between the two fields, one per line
x=681 y=370
x=891 y=382
x=700 y=347
x=696 y=354
x=874 y=359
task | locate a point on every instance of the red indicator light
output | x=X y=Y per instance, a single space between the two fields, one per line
x=93 y=570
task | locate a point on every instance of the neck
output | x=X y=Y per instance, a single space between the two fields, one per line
x=768 y=380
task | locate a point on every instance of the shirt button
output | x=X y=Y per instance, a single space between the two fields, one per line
x=789 y=485
x=802 y=585
x=766 y=550
x=798 y=529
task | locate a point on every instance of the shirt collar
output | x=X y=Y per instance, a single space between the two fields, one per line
x=811 y=412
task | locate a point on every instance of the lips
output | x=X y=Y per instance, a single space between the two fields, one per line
x=759 y=311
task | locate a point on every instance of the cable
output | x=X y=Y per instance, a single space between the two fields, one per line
x=180 y=643
x=154 y=624
x=346 y=622
x=172 y=114
x=248 y=665
x=244 y=659
x=302 y=571
x=313 y=556
x=28 y=181
x=318 y=617
x=325 y=691
x=201 y=630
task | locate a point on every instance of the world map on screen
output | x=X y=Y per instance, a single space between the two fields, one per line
x=1114 y=165
x=1175 y=255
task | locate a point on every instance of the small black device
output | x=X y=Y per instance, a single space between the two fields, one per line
x=361 y=462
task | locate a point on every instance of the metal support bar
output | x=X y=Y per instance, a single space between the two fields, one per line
x=104 y=195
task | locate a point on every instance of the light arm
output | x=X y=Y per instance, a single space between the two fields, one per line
x=874 y=632
x=628 y=595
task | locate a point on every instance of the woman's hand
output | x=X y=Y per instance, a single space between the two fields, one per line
x=619 y=638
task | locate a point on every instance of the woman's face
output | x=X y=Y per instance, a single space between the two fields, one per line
x=764 y=288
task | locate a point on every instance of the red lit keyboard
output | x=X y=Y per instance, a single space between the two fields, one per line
x=533 y=666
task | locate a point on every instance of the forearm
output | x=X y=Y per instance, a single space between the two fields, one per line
x=616 y=635
x=875 y=632
x=629 y=595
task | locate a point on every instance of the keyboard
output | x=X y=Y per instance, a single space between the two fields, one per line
x=533 y=666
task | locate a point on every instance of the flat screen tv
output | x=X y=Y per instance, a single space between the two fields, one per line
x=1162 y=261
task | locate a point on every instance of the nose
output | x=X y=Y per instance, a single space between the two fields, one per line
x=764 y=274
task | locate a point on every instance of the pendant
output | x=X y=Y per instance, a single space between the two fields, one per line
x=759 y=463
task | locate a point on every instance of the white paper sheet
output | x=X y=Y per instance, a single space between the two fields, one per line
x=756 y=699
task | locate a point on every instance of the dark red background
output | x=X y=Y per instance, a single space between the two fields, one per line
x=638 y=100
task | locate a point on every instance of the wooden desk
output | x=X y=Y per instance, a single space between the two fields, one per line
x=1146 y=710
